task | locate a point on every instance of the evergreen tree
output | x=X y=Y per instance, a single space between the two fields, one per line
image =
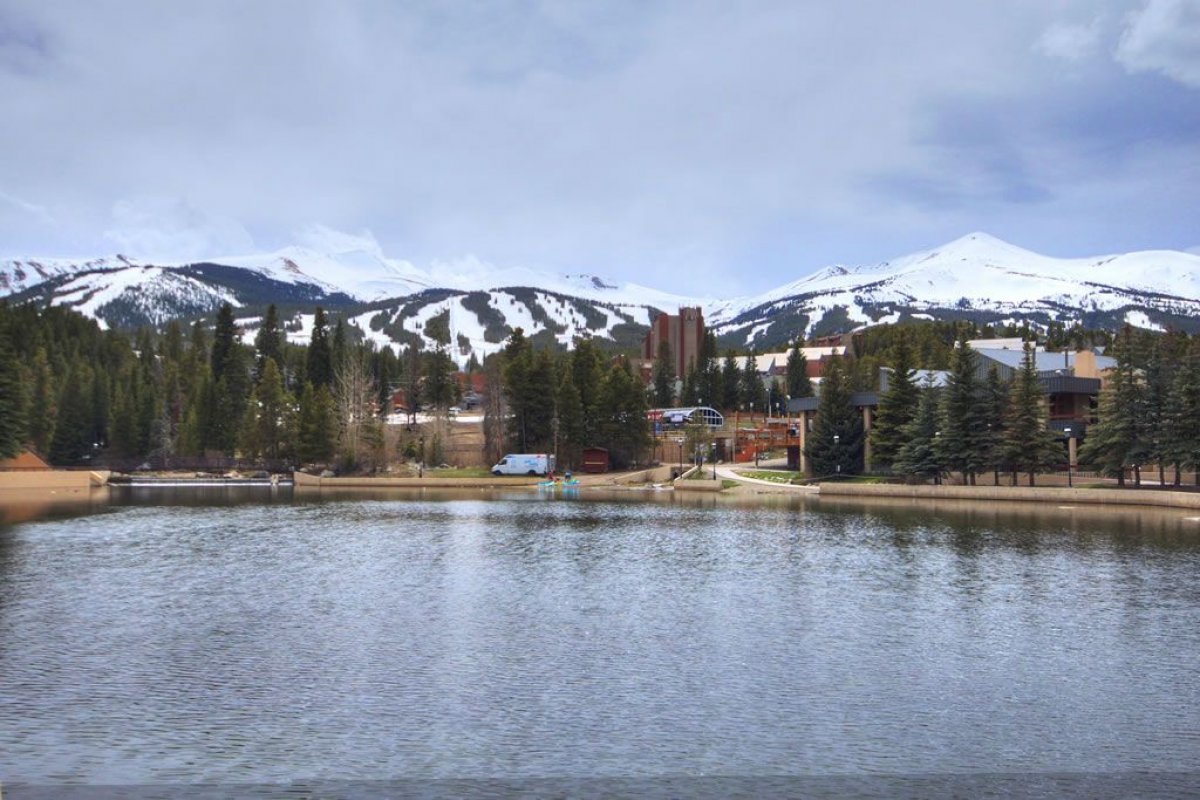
x=224 y=340
x=248 y=443
x=708 y=383
x=319 y=364
x=268 y=342
x=529 y=388
x=439 y=379
x=539 y=405
x=341 y=347
x=798 y=382
x=1116 y=440
x=995 y=410
x=919 y=455
x=750 y=387
x=384 y=361
x=1183 y=413
x=72 y=442
x=123 y=421
x=897 y=407
x=316 y=426
x=43 y=407
x=412 y=381
x=570 y=420
x=664 y=376
x=731 y=381
x=273 y=409
x=963 y=439
x=1157 y=373
x=835 y=446
x=1030 y=447
x=587 y=368
x=689 y=394
x=172 y=346
x=13 y=400
x=624 y=429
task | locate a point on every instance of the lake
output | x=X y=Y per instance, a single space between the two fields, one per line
x=633 y=643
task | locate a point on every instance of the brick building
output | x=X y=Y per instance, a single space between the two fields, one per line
x=684 y=332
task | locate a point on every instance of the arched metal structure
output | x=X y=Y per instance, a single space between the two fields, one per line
x=671 y=418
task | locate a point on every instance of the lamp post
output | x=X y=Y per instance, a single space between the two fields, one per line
x=837 y=452
x=1067 y=431
x=713 y=460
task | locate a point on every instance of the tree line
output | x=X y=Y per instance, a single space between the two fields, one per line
x=1147 y=416
x=77 y=394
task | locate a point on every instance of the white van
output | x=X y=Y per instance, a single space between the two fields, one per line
x=524 y=464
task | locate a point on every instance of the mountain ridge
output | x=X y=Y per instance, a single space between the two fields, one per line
x=976 y=276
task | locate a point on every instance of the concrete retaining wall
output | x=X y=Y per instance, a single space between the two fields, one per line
x=305 y=481
x=1124 y=497
x=53 y=479
x=684 y=483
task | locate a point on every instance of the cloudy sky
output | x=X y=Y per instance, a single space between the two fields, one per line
x=662 y=142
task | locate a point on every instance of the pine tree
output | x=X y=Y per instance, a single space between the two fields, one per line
x=1157 y=374
x=835 y=446
x=962 y=440
x=13 y=401
x=587 y=369
x=708 y=384
x=624 y=429
x=919 y=456
x=750 y=388
x=731 y=381
x=319 y=364
x=340 y=350
x=268 y=342
x=43 y=407
x=798 y=382
x=274 y=413
x=438 y=389
x=316 y=426
x=412 y=381
x=1116 y=440
x=224 y=339
x=664 y=376
x=995 y=410
x=897 y=407
x=1029 y=446
x=1183 y=413
x=72 y=442
x=570 y=420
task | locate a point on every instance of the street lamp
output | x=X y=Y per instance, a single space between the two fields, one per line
x=837 y=452
x=1070 y=483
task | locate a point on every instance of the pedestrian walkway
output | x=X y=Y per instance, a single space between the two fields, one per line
x=727 y=471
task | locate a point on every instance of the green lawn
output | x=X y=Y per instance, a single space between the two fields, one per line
x=774 y=476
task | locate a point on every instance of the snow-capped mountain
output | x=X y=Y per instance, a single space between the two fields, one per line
x=978 y=277
x=391 y=301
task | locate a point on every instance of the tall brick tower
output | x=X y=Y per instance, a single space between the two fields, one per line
x=684 y=332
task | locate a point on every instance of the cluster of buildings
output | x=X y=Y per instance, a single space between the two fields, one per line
x=1070 y=380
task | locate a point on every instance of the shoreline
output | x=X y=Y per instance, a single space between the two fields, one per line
x=1156 y=498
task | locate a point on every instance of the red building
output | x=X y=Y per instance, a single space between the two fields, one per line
x=684 y=332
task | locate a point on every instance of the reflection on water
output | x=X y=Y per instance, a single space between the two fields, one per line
x=248 y=635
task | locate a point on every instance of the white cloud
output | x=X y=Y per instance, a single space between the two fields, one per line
x=1071 y=42
x=324 y=239
x=171 y=229
x=1163 y=36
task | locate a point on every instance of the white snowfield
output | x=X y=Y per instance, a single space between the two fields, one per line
x=976 y=271
x=980 y=271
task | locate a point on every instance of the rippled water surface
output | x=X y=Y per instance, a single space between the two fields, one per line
x=380 y=638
